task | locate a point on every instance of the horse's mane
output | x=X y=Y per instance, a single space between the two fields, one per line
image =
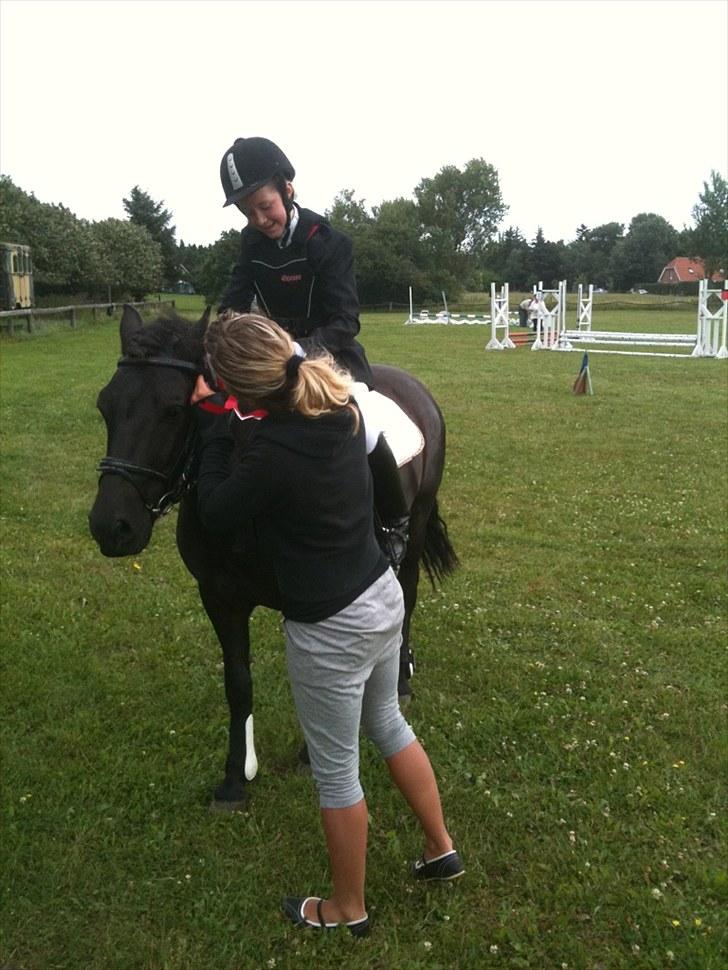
x=169 y=335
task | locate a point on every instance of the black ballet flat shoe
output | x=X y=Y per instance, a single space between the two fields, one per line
x=444 y=868
x=294 y=906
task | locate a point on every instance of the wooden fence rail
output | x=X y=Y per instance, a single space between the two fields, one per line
x=8 y=317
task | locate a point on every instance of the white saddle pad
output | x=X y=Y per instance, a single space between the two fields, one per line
x=383 y=415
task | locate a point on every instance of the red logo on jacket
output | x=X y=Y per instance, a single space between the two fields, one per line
x=293 y=278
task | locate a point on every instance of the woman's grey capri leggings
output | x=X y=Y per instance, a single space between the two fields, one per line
x=344 y=673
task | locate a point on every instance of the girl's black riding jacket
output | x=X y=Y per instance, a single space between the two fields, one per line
x=308 y=287
x=307 y=484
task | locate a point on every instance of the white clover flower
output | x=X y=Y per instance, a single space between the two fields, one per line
x=493 y=948
x=657 y=894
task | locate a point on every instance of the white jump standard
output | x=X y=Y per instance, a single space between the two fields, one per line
x=711 y=340
x=499 y=319
x=584 y=308
x=551 y=320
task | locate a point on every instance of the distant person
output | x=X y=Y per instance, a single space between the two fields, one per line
x=304 y=480
x=300 y=271
x=523 y=308
x=534 y=308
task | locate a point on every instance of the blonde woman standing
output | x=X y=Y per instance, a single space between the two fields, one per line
x=305 y=479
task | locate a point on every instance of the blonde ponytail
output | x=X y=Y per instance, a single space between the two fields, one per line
x=257 y=361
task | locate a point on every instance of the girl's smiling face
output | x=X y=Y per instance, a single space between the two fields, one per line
x=265 y=211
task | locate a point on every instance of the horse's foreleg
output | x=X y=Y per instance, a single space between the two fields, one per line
x=241 y=766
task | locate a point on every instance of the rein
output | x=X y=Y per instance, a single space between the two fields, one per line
x=179 y=478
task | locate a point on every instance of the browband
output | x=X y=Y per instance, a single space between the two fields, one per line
x=160 y=362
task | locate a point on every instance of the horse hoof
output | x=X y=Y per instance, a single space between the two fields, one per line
x=227 y=808
x=230 y=795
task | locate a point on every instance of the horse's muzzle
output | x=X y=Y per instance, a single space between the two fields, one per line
x=118 y=521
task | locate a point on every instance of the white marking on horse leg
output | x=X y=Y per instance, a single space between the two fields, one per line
x=251 y=761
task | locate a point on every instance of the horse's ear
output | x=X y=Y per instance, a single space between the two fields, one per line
x=201 y=325
x=131 y=323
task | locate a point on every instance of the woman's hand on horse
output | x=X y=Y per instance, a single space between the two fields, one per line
x=201 y=391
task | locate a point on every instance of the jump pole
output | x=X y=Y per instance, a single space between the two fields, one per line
x=709 y=339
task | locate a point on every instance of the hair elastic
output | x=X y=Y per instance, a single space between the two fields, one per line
x=292 y=365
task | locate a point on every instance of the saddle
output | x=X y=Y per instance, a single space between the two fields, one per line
x=382 y=415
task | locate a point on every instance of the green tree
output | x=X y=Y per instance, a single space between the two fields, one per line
x=518 y=270
x=710 y=236
x=509 y=253
x=547 y=261
x=129 y=260
x=391 y=249
x=587 y=258
x=640 y=257
x=191 y=260
x=217 y=266
x=348 y=213
x=466 y=206
x=152 y=216
x=64 y=256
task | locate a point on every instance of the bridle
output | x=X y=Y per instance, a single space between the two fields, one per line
x=179 y=478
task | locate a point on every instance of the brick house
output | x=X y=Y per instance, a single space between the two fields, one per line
x=682 y=269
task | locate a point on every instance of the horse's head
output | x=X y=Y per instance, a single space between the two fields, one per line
x=148 y=422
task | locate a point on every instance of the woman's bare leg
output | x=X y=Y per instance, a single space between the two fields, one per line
x=412 y=773
x=346 y=839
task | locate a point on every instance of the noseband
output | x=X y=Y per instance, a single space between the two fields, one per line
x=179 y=479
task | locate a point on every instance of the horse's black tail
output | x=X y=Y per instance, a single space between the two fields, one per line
x=438 y=557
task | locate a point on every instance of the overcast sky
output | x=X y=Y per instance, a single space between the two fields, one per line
x=590 y=111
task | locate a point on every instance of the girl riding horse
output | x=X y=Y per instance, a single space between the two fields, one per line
x=300 y=272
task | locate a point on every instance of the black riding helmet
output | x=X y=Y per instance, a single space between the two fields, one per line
x=249 y=164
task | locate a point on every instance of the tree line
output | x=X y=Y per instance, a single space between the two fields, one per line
x=446 y=237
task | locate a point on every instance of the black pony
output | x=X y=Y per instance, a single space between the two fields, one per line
x=149 y=467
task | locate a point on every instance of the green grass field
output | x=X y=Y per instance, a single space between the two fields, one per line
x=571 y=688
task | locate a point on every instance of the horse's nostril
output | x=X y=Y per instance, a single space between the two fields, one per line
x=122 y=529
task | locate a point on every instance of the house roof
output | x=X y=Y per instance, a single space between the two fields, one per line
x=682 y=269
